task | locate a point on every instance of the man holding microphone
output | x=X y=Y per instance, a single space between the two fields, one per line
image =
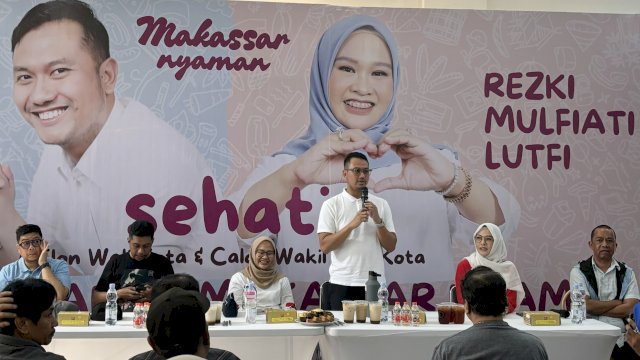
x=356 y=228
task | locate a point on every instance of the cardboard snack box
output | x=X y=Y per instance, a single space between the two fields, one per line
x=279 y=316
x=541 y=318
x=73 y=318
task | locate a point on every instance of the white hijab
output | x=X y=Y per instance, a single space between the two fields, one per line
x=496 y=260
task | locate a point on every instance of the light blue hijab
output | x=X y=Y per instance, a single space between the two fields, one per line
x=322 y=120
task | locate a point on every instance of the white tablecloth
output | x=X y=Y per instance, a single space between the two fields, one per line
x=592 y=340
x=247 y=341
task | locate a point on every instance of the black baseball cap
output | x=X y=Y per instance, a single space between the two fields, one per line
x=174 y=315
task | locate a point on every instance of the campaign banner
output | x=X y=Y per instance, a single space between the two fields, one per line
x=231 y=119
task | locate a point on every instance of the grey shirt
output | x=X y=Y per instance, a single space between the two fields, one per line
x=214 y=354
x=491 y=340
x=13 y=348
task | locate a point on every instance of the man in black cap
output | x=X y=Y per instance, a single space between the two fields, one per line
x=132 y=272
x=176 y=324
x=189 y=284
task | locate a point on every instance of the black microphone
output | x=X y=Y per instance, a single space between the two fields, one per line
x=364 y=195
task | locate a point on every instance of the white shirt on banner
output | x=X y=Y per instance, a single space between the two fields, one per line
x=82 y=208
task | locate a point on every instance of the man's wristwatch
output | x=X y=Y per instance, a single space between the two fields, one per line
x=380 y=224
x=45 y=265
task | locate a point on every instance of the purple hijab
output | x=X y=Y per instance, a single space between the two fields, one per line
x=322 y=120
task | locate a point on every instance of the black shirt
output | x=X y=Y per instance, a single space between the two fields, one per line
x=125 y=271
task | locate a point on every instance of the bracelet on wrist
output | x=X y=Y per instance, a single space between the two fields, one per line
x=468 y=182
x=452 y=184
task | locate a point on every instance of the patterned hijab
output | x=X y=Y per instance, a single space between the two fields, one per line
x=497 y=261
x=262 y=278
x=322 y=121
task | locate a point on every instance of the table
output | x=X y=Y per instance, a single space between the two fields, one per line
x=590 y=340
x=247 y=341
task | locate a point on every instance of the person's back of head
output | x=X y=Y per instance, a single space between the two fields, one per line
x=485 y=291
x=183 y=281
x=176 y=323
x=34 y=313
x=95 y=34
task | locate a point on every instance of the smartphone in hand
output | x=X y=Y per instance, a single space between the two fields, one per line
x=635 y=316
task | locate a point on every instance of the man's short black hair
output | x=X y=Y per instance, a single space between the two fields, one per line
x=183 y=281
x=95 y=36
x=352 y=155
x=27 y=229
x=485 y=291
x=32 y=297
x=141 y=228
x=593 y=232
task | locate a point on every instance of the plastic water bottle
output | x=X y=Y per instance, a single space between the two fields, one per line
x=578 y=305
x=111 y=309
x=383 y=296
x=138 y=316
x=397 y=314
x=406 y=314
x=145 y=308
x=250 y=302
x=415 y=314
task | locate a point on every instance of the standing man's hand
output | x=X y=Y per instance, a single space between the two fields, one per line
x=361 y=216
x=372 y=210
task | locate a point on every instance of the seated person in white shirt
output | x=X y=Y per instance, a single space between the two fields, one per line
x=274 y=289
x=612 y=288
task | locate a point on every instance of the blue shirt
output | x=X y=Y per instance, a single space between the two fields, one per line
x=19 y=270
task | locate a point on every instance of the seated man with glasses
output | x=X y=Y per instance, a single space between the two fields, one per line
x=274 y=289
x=35 y=263
x=357 y=229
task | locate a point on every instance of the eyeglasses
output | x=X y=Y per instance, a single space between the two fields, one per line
x=265 y=253
x=27 y=244
x=358 y=171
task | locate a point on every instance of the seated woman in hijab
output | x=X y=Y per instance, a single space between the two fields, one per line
x=491 y=251
x=274 y=289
